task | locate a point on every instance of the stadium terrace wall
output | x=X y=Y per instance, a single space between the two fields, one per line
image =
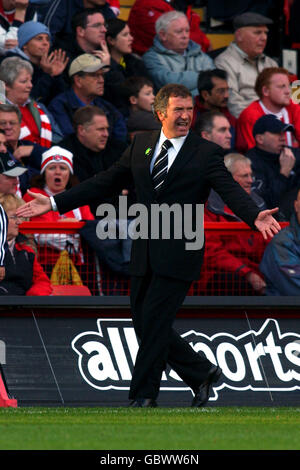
x=79 y=351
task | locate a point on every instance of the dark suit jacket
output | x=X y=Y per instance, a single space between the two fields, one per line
x=87 y=163
x=198 y=167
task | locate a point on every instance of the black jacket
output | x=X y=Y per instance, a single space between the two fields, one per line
x=269 y=183
x=87 y=163
x=198 y=167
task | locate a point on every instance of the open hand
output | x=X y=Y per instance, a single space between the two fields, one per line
x=38 y=206
x=54 y=63
x=266 y=224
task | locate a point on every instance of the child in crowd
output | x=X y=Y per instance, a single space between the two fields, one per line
x=140 y=98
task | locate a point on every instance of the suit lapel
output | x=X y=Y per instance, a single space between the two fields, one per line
x=147 y=151
x=184 y=155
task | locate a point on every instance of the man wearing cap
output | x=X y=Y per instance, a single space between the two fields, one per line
x=275 y=166
x=87 y=87
x=10 y=171
x=243 y=59
x=273 y=89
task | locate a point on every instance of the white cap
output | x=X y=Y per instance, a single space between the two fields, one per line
x=57 y=154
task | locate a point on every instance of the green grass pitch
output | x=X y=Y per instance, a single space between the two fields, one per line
x=210 y=428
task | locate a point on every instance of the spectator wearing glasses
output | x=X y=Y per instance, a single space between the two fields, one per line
x=88 y=36
x=235 y=259
x=60 y=13
x=24 y=152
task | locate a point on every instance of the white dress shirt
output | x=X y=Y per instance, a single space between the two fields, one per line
x=177 y=143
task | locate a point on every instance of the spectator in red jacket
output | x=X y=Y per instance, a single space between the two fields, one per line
x=144 y=13
x=233 y=262
x=23 y=273
x=273 y=88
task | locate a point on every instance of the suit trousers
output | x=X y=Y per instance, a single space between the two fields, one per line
x=155 y=301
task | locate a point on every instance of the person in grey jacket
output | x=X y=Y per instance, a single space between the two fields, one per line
x=174 y=58
x=244 y=59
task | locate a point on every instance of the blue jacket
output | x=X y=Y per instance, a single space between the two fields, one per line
x=281 y=261
x=63 y=106
x=166 y=66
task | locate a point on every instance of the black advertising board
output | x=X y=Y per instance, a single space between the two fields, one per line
x=84 y=357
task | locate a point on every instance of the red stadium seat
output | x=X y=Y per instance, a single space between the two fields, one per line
x=71 y=290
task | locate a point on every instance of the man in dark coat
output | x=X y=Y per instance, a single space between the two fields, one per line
x=163 y=266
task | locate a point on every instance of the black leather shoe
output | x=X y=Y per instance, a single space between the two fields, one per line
x=143 y=403
x=202 y=393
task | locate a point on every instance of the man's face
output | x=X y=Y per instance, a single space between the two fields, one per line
x=269 y=142
x=220 y=133
x=218 y=96
x=37 y=46
x=177 y=119
x=10 y=124
x=92 y=84
x=278 y=90
x=8 y=184
x=3 y=143
x=252 y=39
x=94 y=136
x=94 y=32
x=177 y=36
x=242 y=173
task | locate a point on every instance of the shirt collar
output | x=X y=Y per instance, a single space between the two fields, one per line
x=177 y=142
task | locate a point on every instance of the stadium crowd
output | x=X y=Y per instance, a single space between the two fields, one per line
x=77 y=84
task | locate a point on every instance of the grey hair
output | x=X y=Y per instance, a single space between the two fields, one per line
x=11 y=67
x=231 y=158
x=11 y=108
x=163 y=22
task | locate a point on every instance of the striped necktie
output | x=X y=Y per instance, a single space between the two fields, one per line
x=160 y=168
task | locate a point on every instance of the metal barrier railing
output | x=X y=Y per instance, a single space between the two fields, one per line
x=228 y=245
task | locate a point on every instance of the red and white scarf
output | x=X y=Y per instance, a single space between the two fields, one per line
x=45 y=132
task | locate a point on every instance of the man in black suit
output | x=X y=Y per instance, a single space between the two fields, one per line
x=162 y=269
